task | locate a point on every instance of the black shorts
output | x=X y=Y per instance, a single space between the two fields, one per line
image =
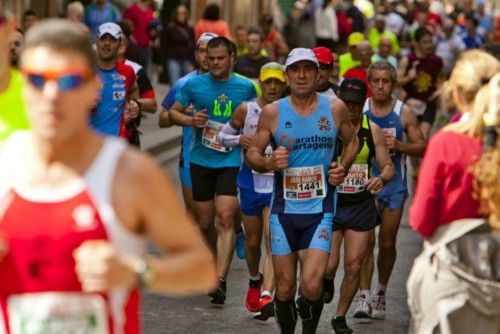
x=358 y=217
x=208 y=182
x=429 y=114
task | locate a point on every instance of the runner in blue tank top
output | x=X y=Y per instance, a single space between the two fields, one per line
x=403 y=137
x=214 y=167
x=303 y=129
x=254 y=189
x=187 y=131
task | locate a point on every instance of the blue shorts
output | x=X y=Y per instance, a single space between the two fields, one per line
x=185 y=176
x=293 y=232
x=251 y=202
x=392 y=201
x=358 y=217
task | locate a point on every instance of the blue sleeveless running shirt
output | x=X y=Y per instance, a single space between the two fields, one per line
x=392 y=123
x=303 y=187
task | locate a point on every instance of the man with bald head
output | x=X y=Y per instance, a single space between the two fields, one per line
x=365 y=53
x=385 y=52
x=379 y=31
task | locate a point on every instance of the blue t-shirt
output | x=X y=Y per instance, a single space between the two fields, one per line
x=107 y=117
x=187 y=131
x=220 y=98
x=311 y=143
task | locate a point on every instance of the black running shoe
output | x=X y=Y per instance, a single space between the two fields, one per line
x=266 y=309
x=219 y=295
x=328 y=290
x=339 y=325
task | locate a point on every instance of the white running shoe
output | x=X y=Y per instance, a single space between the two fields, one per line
x=363 y=309
x=378 y=306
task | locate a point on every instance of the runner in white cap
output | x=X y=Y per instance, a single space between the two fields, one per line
x=303 y=129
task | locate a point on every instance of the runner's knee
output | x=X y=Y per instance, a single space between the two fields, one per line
x=285 y=289
x=352 y=267
x=387 y=245
x=225 y=218
x=253 y=240
x=311 y=286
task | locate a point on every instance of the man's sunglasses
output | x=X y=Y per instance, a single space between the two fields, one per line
x=66 y=80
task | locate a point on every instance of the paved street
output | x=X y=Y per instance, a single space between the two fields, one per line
x=197 y=315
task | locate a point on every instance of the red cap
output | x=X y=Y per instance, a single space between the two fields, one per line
x=324 y=55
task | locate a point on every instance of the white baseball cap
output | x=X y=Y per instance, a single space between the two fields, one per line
x=110 y=28
x=206 y=36
x=299 y=54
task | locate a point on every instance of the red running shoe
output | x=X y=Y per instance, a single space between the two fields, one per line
x=253 y=295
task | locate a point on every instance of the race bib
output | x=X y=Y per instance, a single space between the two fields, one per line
x=304 y=183
x=57 y=313
x=209 y=137
x=355 y=180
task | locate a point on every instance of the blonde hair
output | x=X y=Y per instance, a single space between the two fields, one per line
x=472 y=71
x=486 y=169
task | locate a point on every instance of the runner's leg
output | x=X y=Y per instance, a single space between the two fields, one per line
x=226 y=207
x=354 y=252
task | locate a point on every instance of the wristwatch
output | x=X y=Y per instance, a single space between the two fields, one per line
x=144 y=274
x=383 y=179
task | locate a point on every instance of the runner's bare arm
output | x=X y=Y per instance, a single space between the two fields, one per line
x=238 y=119
x=382 y=158
x=164 y=121
x=346 y=133
x=148 y=104
x=4 y=248
x=188 y=266
x=179 y=116
x=146 y=203
x=405 y=76
x=441 y=78
x=133 y=93
x=255 y=153
x=281 y=46
x=132 y=110
x=415 y=146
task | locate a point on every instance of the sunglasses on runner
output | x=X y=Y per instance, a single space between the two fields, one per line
x=66 y=80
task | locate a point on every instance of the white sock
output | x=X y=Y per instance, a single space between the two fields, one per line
x=380 y=287
x=255 y=278
x=366 y=293
x=266 y=293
